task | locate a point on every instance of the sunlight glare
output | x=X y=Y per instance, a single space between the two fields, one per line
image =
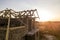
x=45 y=15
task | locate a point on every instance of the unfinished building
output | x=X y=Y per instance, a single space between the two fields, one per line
x=18 y=25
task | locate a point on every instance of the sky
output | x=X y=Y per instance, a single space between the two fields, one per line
x=44 y=7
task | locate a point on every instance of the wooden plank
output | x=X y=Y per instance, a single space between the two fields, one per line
x=13 y=28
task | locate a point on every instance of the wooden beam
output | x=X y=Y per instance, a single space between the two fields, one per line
x=7 y=32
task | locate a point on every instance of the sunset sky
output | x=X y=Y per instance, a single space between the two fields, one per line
x=47 y=9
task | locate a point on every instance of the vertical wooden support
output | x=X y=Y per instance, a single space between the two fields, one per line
x=27 y=22
x=35 y=36
x=7 y=31
x=38 y=35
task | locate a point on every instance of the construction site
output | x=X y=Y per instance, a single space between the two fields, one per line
x=18 y=25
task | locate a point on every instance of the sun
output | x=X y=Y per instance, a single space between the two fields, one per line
x=45 y=15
